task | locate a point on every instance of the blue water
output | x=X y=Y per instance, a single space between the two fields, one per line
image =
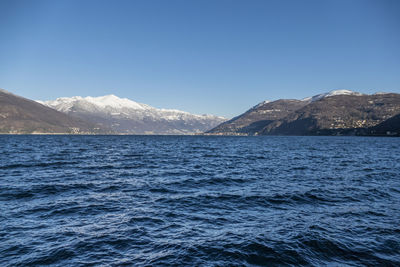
x=199 y=201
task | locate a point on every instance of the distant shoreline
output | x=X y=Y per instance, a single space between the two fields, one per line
x=208 y=135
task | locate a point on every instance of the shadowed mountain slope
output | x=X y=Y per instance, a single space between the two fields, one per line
x=390 y=126
x=23 y=116
x=256 y=118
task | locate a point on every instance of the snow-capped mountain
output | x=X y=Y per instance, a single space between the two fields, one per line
x=331 y=93
x=126 y=116
x=267 y=116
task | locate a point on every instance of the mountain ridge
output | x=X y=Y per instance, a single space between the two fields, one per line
x=129 y=117
x=19 y=115
x=338 y=112
x=333 y=113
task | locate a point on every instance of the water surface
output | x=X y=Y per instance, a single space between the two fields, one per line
x=199 y=201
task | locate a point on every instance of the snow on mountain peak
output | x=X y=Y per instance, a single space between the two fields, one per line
x=64 y=104
x=342 y=92
x=127 y=116
x=331 y=93
x=114 y=102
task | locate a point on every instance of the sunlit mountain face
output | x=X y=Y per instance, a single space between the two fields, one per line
x=125 y=116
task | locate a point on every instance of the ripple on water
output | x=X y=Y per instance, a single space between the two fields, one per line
x=192 y=200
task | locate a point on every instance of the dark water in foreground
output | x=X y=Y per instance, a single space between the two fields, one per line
x=195 y=201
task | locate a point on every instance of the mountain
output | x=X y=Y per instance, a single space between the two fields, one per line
x=390 y=126
x=339 y=114
x=336 y=112
x=256 y=118
x=20 y=115
x=129 y=117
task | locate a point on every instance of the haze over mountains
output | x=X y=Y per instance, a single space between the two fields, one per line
x=340 y=112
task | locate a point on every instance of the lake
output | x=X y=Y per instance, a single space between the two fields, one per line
x=199 y=201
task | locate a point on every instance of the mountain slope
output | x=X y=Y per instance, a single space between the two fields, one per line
x=337 y=114
x=21 y=115
x=129 y=117
x=256 y=118
x=390 y=126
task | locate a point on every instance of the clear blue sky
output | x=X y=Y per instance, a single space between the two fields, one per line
x=202 y=56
